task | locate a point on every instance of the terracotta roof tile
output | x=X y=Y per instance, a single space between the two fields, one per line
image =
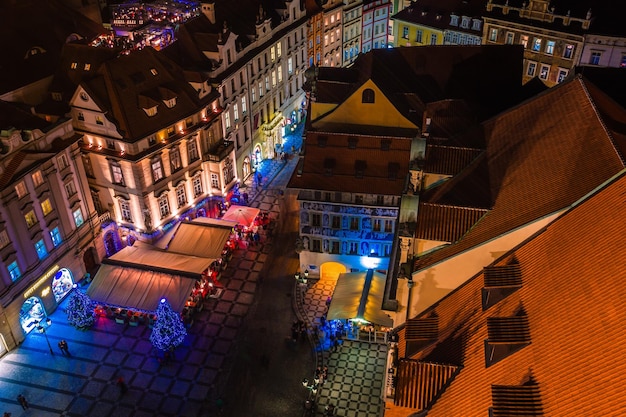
x=535 y=162
x=445 y=223
x=448 y=160
x=572 y=274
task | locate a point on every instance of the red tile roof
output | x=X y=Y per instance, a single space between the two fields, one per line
x=571 y=296
x=541 y=157
x=445 y=223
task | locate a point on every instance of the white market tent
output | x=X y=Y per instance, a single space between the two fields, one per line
x=243 y=215
x=139 y=289
x=138 y=277
x=200 y=239
x=359 y=295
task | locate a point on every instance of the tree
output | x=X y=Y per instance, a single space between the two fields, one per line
x=80 y=310
x=168 y=331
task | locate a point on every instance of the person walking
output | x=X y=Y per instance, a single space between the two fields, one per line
x=22 y=400
x=64 y=348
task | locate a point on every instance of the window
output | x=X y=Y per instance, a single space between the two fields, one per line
x=493 y=35
x=20 y=189
x=227 y=119
x=192 y=150
x=46 y=207
x=164 y=206
x=544 y=72
x=254 y=95
x=37 y=178
x=433 y=39
x=14 y=271
x=354 y=223
x=30 y=218
x=4 y=239
x=40 y=247
x=197 y=186
x=376 y=225
x=267 y=82
x=110 y=145
x=510 y=36
x=157 y=170
x=523 y=40
x=280 y=74
x=476 y=24
x=316 y=220
x=273 y=54
x=99 y=120
x=367 y=96
x=278 y=50
x=537 y=45
x=170 y=131
x=568 y=51
x=70 y=189
x=116 y=173
x=244 y=108
x=418 y=36
x=595 y=57
x=290 y=66
x=78 y=217
x=62 y=161
x=55 y=235
x=465 y=21
x=175 y=161
x=562 y=75
x=96 y=202
x=261 y=89
x=125 y=211
x=181 y=195
x=550 y=47
x=405 y=32
x=454 y=20
x=532 y=67
x=87 y=165
x=336 y=222
x=215 y=181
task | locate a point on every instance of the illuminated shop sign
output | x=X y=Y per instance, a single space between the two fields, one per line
x=49 y=273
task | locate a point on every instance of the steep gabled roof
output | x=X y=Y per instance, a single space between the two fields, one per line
x=541 y=157
x=567 y=286
x=124 y=84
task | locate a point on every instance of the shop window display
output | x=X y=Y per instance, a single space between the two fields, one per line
x=62 y=283
x=31 y=314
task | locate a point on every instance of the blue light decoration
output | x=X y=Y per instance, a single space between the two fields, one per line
x=80 y=310
x=168 y=331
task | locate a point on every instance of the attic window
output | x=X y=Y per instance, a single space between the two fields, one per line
x=367 y=96
x=170 y=102
x=34 y=51
x=74 y=65
x=359 y=168
x=505 y=336
x=87 y=67
x=153 y=71
x=56 y=96
x=454 y=20
x=322 y=141
x=352 y=141
x=385 y=144
x=465 y=21
x=152 y=111
x=518 y=399
x=392 y=169
x=476 y=24
x=500 y=282
x=329 y=166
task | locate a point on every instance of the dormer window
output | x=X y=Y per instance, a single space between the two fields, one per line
x=170 y=103
x=152 y=111
x=465 y=22
x=87 y=67
x=454 y=20
x=56 y=96
x=505 y=336
x=74 y=65
x=477 y=24
x=154 y=72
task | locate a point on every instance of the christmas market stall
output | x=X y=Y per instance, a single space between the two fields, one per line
x=355 y=309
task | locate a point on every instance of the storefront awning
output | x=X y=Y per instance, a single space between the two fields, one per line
x=243 y=215
x=359 y=295
x=139 y=289
x=200 y=239
x=144 y=257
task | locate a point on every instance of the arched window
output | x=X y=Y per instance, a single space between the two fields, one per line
x=368 y=96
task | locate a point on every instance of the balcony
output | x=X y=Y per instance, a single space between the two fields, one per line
x=219 y=151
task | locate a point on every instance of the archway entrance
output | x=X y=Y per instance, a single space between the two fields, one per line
x=89 y=260
x=110 y=245
x=331 y=270
x=31 y=313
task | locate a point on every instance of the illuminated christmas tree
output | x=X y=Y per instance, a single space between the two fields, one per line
x=80 y=310
x=168 y=331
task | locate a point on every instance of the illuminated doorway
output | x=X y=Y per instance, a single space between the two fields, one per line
x=62 y=284
x=31 y=313
x=331 y=270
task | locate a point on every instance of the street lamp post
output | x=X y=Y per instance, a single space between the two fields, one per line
x=42 y=329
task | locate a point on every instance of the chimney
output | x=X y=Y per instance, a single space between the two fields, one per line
x=208 y=9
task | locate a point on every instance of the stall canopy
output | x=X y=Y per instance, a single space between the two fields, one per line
x=359 y=295
x=243 y=215
x=200 y=239
x=144 y=257
x=139 y=289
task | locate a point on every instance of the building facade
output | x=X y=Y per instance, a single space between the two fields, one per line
x=352 y=23
x=375 y=25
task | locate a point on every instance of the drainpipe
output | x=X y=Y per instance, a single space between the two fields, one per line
x=410 y=283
